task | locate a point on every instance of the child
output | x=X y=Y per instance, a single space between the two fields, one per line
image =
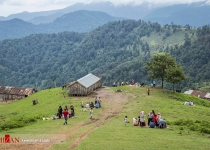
x=83 y=106
x=91 y=113
x=148 y=91
x=126 y=120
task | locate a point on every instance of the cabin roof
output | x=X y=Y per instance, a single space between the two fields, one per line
x=88 y=80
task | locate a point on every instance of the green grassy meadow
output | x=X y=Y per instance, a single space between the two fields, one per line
x=188 y=126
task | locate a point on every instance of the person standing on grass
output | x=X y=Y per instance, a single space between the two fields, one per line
x=150 y=117
x=91 y=112
x=99 y=102
x=148 y=91
x=153 y=83
x=142 y=121
x=60 y=110
x=126 y=120
x=96 y=100
x=65 y=115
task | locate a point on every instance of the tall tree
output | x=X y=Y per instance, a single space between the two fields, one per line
x=175 y=75
x=158 y=66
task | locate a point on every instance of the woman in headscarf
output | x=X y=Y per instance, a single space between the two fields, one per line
x=142 y=120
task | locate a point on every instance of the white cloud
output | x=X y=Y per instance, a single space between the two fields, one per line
x=16 y=6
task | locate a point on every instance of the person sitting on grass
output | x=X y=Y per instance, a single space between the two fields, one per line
x=152 y=124
x=71 y=115
x=87 y=105
x=97 y=105
x=135 y=122
x=91 y=105
x=155 y=120
x=162 y=123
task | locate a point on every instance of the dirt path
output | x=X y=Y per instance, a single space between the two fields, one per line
x=113 y=100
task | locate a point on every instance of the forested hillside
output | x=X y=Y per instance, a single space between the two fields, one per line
x=78 y=21
x=194 y=55
x=117 y=51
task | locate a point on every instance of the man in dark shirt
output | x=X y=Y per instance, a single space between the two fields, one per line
x=60 y=111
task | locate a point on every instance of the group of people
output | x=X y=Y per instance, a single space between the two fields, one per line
x=97 y=101
x=153 y=120
x=115 y=84
x=96 y=104
x=65 y=113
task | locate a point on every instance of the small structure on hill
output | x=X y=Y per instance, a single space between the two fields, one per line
x=13 y=93
x=84 y=86
x=199 y=94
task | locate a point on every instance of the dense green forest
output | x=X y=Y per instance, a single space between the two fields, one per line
x=117 y=51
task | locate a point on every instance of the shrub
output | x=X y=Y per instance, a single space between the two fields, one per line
x=181 y=128
x=178 y=122
x=188 y=122
x=197 y=121
x=193 y=128
x=205 y=130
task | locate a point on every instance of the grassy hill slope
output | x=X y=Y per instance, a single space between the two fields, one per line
x=107 y=130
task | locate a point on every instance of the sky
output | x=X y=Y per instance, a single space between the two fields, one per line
x=8 y=7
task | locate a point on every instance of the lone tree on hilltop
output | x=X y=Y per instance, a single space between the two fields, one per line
x=175 y=75
x=164 y=67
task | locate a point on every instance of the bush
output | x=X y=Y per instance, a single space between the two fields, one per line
x=178 y=122
x=199 y=126
x=17 y=123
x=193 y=128
x=188 y=122
x=181 y=128
x=205 y=130
x=197 y=121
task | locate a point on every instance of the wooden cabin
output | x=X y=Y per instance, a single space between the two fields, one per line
x=13 y=93
x=84 y=86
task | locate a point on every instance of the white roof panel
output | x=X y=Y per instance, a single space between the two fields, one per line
x=188 y=92
x=207 y=95
x=88 y=80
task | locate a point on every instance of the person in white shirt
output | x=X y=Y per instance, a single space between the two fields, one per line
x=87 y=105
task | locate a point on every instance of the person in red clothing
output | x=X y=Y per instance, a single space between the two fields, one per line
x=148 y=91
x=65 y=115
x=155 y=119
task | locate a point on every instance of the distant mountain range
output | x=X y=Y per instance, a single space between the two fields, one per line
x=194 y=14
x=125 y=11
x=78 y=21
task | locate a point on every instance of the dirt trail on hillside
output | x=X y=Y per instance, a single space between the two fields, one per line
x=113 y=100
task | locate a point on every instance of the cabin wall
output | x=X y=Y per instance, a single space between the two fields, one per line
x=77 y=89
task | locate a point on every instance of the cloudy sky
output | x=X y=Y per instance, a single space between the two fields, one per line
x=8 y=7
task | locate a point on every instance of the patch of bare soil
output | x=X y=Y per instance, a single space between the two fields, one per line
x=114 y=100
